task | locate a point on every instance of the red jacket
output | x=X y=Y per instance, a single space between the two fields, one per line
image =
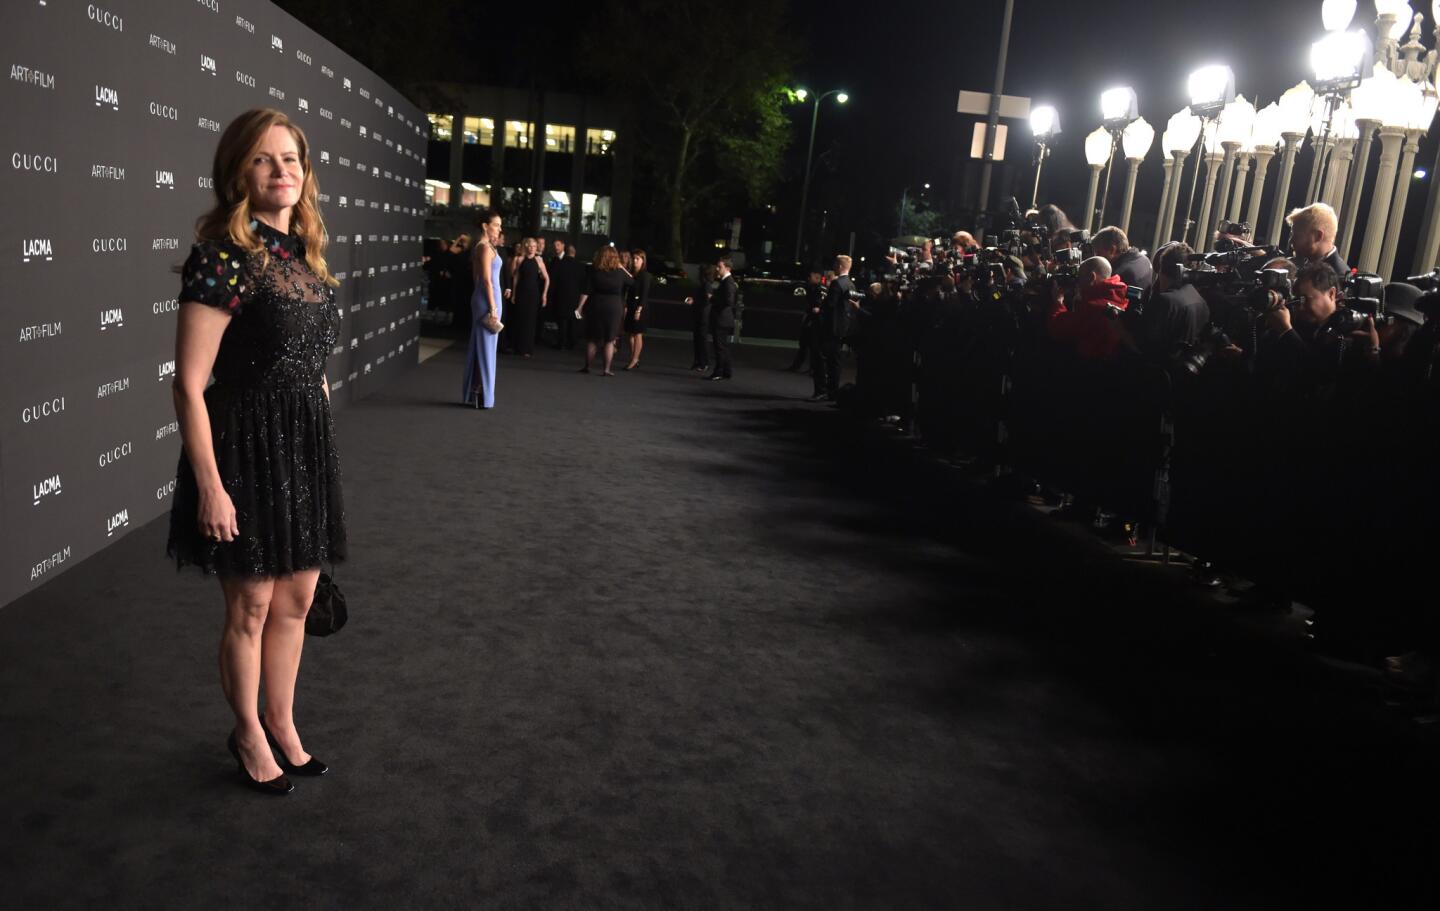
x=1090 y=330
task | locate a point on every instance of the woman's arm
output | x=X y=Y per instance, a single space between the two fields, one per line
x=643 y=279
x=487 y=256
x=197 y=341
x=544 y=280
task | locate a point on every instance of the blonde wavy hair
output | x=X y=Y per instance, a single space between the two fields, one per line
x=230 y=219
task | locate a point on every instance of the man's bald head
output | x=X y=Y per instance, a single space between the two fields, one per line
x=1096 y=268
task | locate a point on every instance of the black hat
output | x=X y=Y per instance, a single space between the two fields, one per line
x=1400 y=301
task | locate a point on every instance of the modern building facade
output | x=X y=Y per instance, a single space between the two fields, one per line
x=555 y=163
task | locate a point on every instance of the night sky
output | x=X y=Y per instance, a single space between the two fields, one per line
x=904 y=65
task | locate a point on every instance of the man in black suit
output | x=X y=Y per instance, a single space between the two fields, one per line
x=567 y=279
x=833 y=320
x=722 y=317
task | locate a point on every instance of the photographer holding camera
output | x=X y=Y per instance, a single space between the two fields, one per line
x=1176 y=312
x=1084 y=318
x=1127 y=262
x=1308 y=339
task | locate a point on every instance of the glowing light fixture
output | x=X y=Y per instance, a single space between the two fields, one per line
x=1044 y=121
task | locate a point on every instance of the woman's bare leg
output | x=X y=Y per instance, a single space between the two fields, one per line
x=589 y=354
x=609 y=354
x=247 y=606
x=284 y=638
x=637 y=345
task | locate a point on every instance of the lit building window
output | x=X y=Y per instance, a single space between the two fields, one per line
x=442 y=127
x=437 y=193
x=519 y=134
x=559 y=138
x=474 y=195
x=598 y=142
x=479 y=131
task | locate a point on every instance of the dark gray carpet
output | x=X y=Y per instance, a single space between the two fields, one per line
x=649 y=642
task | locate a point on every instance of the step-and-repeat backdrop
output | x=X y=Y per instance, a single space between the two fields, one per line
x=112 y=111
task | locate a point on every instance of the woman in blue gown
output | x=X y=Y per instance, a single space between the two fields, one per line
x=479 y=388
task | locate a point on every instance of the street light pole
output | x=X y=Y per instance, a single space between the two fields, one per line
x=809 y=155
x=992 y=124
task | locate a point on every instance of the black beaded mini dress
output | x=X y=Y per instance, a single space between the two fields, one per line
x=270 y=420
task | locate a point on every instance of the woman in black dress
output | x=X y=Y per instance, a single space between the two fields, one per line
x=602 y=307
x=257 y=497
x=532 y=286
x=636 y=304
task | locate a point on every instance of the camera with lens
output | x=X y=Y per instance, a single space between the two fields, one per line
x=1363 y=297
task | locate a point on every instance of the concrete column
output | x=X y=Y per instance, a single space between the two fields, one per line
x=1390 y=140
x=1090 y=195
x=1257 y=191
x=1237 y=196
x=1203 y=233
x=1132 y=173
x=1397 y=208
x=1161 y=229
x=1337 y=173
x=1227 y=170
x=1175 y=188
x=1282 y=187
x=1350 y=209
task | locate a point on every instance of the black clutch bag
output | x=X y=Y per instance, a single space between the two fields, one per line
x=327 y=611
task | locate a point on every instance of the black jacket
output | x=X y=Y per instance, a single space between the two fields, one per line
x=567 y=280
x=1134 y=267
x=836 y=314
x=722 y=303
x=1171 y=320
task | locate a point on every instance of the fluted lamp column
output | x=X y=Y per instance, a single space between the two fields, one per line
x=1368 y=103
x=1212 y=166
x=1390 y=139
x=1137 y=139
x=1097 y=152
x=1179 y=138
x=1233 y=131
x=1293 y=118
x=1242 y=176
x=1169 y=165
x=1264 y=137
x=1419 y=125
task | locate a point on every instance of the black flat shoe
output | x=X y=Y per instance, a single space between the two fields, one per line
x=312 y=769
x=583 y=370
x=275 y=787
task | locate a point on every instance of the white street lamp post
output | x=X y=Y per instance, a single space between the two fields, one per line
x=1097 y=150
x=1263 y=157
x=1397 y=208
x=1282 y=186
x=841 y=97
x=1137 y=139
x=1350 y=208
x=1202 y=231
x=1242 y=173
x=1390 y=139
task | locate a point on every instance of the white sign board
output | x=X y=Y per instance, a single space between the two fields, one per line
x=1014 y=107
x=977 y=142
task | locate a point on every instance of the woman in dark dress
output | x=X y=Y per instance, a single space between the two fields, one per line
x=636 y=304
x=532 y=286
x=602 y=307
x=257 y=497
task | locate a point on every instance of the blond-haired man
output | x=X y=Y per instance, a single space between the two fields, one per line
x=1312 y=237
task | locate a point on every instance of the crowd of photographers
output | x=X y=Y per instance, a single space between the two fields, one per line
x=1270 y=411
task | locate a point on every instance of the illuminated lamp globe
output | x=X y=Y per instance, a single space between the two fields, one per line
x=1236 y=122
x=1370 y=100
x=1137 y=139
x=1336 y=14
x=842 y=97
x=1402 y=12
x=1295 y=105
x=1423 y=115
x=1265 y=134
x=1097 y=147
x=1180 y=133
x=802 y=94
x=1405 y=99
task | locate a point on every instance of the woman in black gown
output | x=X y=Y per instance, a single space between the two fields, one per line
x=637 y=302
x=532 y=286
x=257 y=496
x=602 y=307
